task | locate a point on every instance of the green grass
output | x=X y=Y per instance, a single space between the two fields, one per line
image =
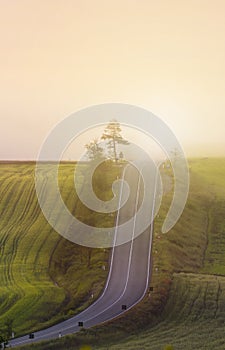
x=43 y=277
x=187 y=306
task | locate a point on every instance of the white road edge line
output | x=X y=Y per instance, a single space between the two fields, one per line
x=130 y=258
x=149 y=260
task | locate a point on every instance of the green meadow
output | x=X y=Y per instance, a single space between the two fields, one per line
x=185 y=309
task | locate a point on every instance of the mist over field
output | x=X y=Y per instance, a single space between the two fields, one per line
x=57 y=58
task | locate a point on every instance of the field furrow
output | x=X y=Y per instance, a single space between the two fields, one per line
x=35 y=289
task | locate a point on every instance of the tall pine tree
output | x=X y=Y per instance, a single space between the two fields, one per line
x=112 y=133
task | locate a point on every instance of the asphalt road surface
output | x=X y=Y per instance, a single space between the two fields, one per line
x=129 y=272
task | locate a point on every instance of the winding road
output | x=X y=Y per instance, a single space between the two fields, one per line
x=129 y=272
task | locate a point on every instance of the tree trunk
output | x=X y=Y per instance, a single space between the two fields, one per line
x=114 y=149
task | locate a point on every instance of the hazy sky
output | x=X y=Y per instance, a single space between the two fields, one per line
x=59 y=56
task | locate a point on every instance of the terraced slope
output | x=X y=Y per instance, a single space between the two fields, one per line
x=43 y=278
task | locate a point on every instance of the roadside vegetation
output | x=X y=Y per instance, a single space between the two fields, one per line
x=185 y=304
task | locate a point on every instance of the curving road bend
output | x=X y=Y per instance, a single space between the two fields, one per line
x=129 y=271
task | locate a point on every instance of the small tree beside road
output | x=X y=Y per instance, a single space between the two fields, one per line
x=94 y=150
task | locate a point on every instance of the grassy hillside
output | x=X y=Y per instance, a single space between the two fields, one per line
x=43 y=277
x=187 y=305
